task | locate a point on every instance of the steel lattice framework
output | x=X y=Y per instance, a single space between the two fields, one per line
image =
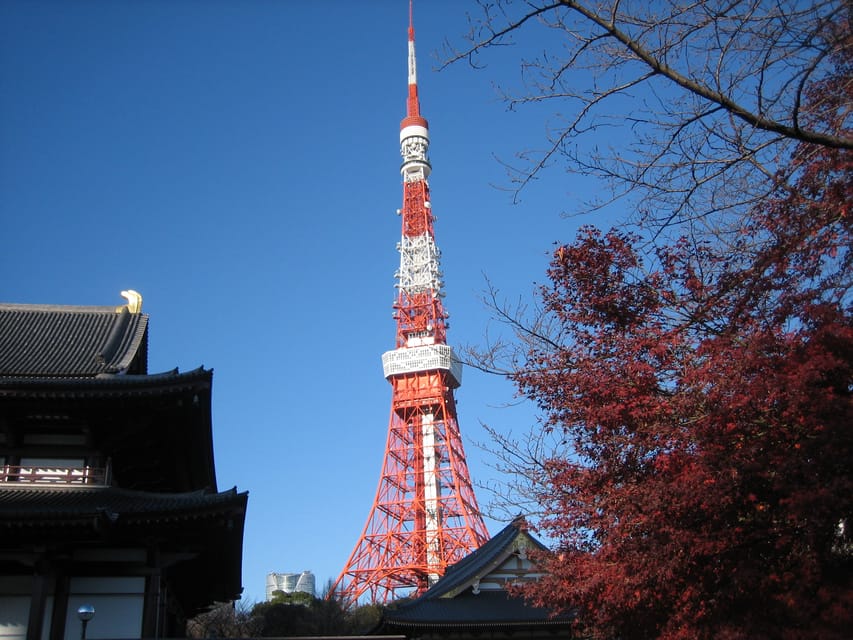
x=425 y=514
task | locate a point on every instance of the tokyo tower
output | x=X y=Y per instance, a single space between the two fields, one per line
x=425 y=515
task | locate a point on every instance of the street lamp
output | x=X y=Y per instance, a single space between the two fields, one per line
x=85 y=612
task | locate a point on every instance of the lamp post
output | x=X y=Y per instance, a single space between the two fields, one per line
x=85 y=612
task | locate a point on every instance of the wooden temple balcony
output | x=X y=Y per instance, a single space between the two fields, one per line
x=55 y=475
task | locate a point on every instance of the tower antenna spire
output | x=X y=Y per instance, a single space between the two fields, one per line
x=413 y=107
x=425 y=515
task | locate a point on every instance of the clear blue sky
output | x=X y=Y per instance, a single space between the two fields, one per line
x=237 y=162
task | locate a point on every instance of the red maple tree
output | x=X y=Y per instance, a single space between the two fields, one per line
x=705 y=389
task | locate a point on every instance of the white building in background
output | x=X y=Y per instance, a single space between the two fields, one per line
x=290 y=583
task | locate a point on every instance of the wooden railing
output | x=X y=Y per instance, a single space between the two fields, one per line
x=54 y=475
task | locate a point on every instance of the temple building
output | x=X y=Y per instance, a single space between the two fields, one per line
x=108 y=495
x=471 y=600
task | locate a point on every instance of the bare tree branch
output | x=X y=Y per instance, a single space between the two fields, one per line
x=711 y=90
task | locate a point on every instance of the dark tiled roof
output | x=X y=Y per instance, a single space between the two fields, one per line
x=21 y=506
x=485 y=608
x=70 y=341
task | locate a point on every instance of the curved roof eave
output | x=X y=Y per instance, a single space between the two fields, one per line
x=107 y=383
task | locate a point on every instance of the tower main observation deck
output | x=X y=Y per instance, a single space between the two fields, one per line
x=425 y=515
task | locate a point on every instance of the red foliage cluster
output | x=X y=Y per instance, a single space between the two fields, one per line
x=707 y=395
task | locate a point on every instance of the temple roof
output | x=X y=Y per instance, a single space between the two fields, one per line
x=494 y=608
x=473 y=567
x=21 y=506
x=58 y=341
x=472 y=593
x=105 y=385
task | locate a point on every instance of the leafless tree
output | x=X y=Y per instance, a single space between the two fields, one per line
x=228 y=620
x=707 y=95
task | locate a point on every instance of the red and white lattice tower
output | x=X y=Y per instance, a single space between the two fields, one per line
x=425 y=514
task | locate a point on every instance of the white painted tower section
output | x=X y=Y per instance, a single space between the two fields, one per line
x=432 y=488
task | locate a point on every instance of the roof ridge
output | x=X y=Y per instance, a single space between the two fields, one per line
x=23 y=306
